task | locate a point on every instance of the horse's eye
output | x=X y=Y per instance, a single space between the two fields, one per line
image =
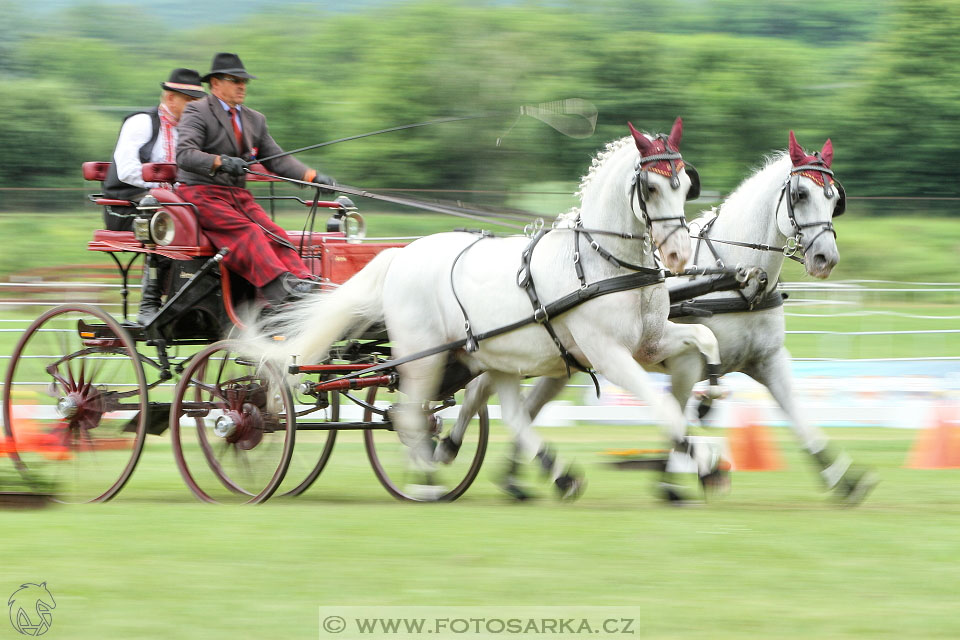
x=652 y=188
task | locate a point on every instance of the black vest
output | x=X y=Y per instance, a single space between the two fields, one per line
x=112 y=186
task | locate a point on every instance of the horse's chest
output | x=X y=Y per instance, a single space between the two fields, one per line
x=654 y=308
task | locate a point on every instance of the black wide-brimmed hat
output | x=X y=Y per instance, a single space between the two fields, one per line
x=185 y=81
x=227 y=64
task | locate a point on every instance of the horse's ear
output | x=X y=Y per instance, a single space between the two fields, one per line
x=644 y=144
x=827 y=153
x=797 y=154
x=673 y=141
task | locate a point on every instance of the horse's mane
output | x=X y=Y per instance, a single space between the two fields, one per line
x=750 y=185
x=599 y=159
x=602 y=156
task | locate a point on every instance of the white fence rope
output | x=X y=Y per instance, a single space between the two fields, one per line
x=875 y=390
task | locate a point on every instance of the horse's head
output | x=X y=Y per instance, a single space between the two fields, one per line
x=663 y=183
x=812 y=198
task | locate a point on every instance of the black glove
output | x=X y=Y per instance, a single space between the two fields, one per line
x=232 y=166
x=322 y=179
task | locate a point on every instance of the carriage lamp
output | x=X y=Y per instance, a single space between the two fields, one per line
x=141 y=224
x=347 y=220
x=162 y=228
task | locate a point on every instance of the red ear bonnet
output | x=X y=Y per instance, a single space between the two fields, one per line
x=827 y=153
x=799 y=158
x=673 y=141
x=644 y=145
x=797 y=155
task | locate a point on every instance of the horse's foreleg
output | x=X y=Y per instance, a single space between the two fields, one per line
x=685 y=348
x=618 y=366
x=836 y=469
x=527 y=443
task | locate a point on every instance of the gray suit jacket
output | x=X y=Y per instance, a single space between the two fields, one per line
x=205 y=131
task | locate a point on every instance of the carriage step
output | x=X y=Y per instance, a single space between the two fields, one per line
x=158 y=419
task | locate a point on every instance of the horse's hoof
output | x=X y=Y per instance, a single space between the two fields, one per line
x=703 y=409
x=446 y=451
x=674 y=495
x=515 y=491
x=570 y=486
x=853 y=491
x=426 y=492
x=717 y=481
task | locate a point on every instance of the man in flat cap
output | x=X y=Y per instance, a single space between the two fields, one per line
x=147 y=136
x=219 y=136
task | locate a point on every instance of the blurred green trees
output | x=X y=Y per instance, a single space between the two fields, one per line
x=880 y=78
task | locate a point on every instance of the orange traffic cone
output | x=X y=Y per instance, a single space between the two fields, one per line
x=751 y=444
x=938 y=446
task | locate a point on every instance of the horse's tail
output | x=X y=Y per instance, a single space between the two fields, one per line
x=312 y=325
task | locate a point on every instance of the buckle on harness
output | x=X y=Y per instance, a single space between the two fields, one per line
x=791 y=247
x=540 y=315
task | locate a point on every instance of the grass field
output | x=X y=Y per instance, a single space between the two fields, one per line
x=773 y=559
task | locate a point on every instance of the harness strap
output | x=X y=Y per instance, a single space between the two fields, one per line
x=540 y=314
x=472 y=344
x=609 y=257
x=706 y=308
x=555 y=308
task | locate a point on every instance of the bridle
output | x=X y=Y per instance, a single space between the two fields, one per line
x=794 y=247
x=790 y=192
x=640 y=186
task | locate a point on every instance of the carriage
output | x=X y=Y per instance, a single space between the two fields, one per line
x=82 y=393
x=233 y=417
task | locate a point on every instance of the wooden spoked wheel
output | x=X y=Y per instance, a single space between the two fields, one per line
x=390 y=458
x=232 y=423
x=75 y=404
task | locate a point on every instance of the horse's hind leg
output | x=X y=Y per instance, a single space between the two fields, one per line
x=527 y=443
x=418 y=383
x=476 y=394
x=543 y=392
x=852 y=484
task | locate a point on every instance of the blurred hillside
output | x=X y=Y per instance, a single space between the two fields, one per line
x=880 y=78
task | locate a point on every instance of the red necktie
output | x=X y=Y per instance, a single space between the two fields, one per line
x=234 y=116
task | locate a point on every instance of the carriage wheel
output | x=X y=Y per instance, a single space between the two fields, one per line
x=232 y=425
x=311 y=454
x=75 y=404
x=389 y=457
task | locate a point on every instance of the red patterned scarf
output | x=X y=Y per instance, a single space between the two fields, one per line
x=169 y=124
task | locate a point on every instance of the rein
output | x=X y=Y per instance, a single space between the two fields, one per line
x=789 y=250
x=461 y=212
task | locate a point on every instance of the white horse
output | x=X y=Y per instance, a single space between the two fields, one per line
x=785 y=208
x=454 y=286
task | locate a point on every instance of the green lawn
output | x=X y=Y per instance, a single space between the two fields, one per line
x=773 y=559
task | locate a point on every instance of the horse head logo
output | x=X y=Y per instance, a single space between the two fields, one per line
x=30 y=607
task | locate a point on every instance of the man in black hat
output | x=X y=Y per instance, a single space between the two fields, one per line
x=147 y=136
x=219 y=138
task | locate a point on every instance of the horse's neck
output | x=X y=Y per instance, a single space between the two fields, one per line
x=605 y=205
x=750 y=215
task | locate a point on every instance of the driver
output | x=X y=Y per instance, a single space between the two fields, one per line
x=219 y=136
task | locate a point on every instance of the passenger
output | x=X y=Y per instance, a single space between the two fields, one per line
x=148 y=136
x=218 y=137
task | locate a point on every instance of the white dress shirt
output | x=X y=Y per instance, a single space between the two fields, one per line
x=135 y=133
